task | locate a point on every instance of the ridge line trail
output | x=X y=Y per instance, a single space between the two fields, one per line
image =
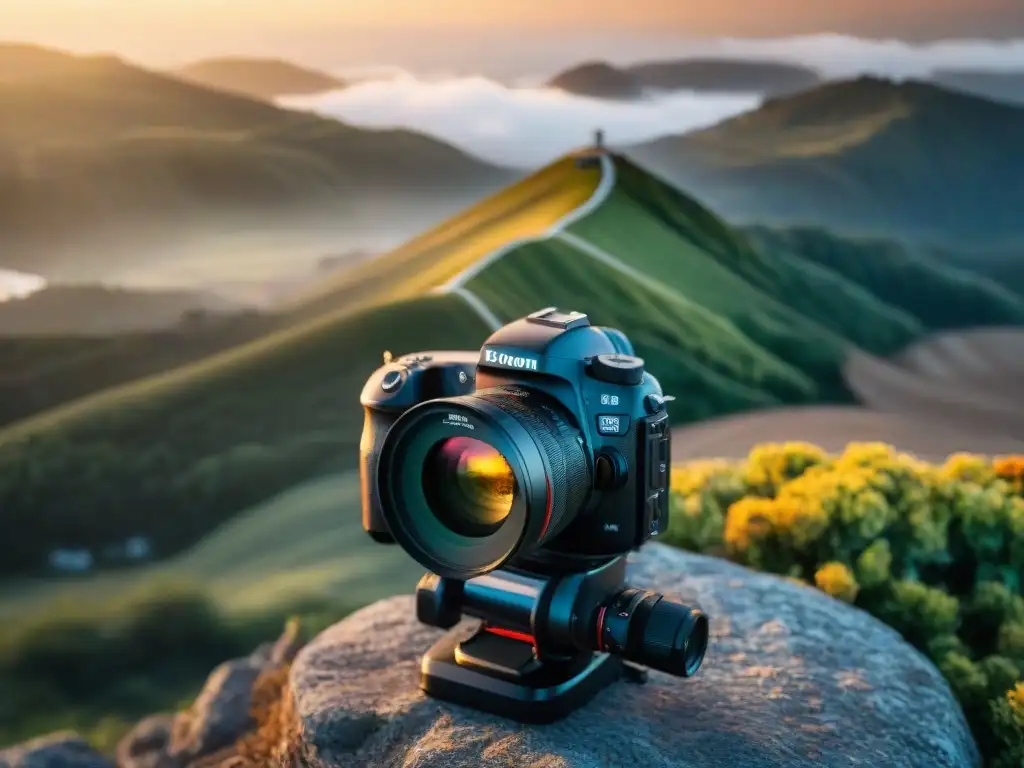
x=457 y=283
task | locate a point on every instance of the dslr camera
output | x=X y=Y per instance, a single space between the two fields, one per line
x=520 y=476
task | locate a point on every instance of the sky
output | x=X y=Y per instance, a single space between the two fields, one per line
x=418 y=32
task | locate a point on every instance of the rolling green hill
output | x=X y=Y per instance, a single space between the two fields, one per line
x=725 y=327
x=259 y=78
x=888 y=269
x=303 y=545
x=98 y=156
x=866 y=156
x=97 y=310
x=992 y=84
x=44 y=373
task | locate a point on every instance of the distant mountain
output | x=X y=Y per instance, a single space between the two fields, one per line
x=600 y=80
x=726 y=322
x=260 y=78
x=21 y=62
x=603 y=80
x=101 y=160
x=865 y=156
x=1001 y=86
x=98 y=310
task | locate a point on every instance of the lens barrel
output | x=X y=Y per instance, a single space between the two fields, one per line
x=652 y=630
x=446 y=468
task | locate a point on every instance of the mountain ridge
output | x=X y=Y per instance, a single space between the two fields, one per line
x=106 y=153
x=865 y=156
x=261 y=78
x=601 y=79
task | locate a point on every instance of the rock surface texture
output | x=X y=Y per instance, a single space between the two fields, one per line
x=792 y=678
x=57 y=750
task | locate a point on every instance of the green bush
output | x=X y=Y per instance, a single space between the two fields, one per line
x=936 y=552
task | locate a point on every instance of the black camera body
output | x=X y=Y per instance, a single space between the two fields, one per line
x=520 y=476
x=598 y=485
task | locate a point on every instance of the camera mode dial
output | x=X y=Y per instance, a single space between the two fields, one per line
x=618 y=369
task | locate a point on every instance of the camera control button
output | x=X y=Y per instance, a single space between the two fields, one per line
x=618 y=369
x=612 y=424
x=654 y=404
x=610 y=470
x=392 y=381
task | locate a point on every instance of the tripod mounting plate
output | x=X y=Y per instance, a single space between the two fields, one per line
x=503 y=676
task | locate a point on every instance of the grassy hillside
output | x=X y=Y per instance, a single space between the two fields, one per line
x=1003 y=265
x=102 y=152
x=304 y=545
x=865 y=156
x=525 y=209
x=260 y=78
x=193 y=447
x=46 y=372
x=97 y=654
x=925 y=284
x=725 y=326
x=41 y=372
x=102 y=310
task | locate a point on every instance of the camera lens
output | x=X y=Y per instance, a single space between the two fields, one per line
x=469 y=485
x=653 y=630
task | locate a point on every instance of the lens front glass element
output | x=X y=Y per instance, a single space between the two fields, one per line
x=469 y=486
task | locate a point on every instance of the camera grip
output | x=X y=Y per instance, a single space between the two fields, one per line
x=376 y=424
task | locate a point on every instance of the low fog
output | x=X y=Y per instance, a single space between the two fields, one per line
x=516 y=126
x=523 y=124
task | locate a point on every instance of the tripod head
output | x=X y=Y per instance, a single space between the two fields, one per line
x=547 y=644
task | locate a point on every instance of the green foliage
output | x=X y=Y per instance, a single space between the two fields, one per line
x=931 y=550
x=98 y=667
x=1007 y=717
x=174 y=457
x=940 y=296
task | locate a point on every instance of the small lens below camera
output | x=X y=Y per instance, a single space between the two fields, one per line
x=652 y=630
x=469 y=486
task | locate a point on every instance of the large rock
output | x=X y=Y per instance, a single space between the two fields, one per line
x=222 y=712
x=145 y=745
x=57 y=750
x=792 y=678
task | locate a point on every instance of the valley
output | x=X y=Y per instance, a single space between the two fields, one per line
x=731 y=326
x=103 y=161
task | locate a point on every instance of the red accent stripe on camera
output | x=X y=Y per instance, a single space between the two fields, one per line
x=600 y=628
x=511 y=634
x=547 y=511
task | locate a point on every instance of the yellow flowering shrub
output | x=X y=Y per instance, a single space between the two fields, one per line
x=837 y=580
x=1011 y=470
x=772 y=464
x=936 y=551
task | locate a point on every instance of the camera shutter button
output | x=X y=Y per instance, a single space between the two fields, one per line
x=392 y=380
x=618 y=369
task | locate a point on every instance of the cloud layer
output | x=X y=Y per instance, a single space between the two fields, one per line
x=529 y=125
x=18 y=285
x=841 y=56
x=517 y=126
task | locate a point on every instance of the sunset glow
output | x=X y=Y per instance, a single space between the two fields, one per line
x=104 y=21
